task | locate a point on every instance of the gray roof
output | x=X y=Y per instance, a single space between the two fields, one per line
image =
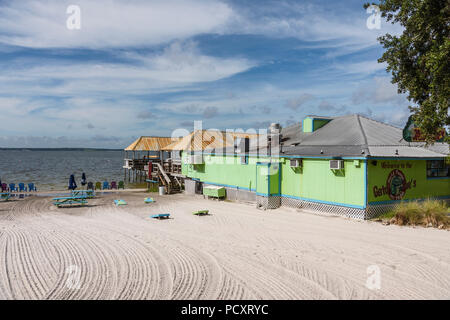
x=346 y=136
x=356 y=135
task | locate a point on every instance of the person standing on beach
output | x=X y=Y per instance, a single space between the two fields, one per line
x=83 y=179
x=72 y=183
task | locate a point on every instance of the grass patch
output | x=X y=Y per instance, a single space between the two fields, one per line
x=428 y=212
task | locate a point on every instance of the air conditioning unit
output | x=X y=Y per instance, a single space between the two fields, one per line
x=295 y=163
x=336 y=164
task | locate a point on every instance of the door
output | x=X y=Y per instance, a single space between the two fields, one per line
x=262 y=179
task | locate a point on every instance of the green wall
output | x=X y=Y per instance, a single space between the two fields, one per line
x=224 y=170
x=418 y=186
x=316 y=181
x=307 y=125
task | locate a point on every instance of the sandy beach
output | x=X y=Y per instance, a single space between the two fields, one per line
x=237 y=252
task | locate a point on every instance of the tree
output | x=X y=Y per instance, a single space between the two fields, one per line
x=419 y=59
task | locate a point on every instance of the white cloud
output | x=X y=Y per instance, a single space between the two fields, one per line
x=180 y=64
x=109 y=23
x=297 y=102
x=361 y=68
x=378 y=90
x=321 y=26
x=140 y=23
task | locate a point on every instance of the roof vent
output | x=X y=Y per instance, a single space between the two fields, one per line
x=313 y=123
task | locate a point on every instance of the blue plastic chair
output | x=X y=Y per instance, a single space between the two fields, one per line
x=105 y=185
x=22 y=187
x=12 y=187
x=31 y=187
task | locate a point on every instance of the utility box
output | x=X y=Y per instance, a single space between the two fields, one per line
x=214 y=191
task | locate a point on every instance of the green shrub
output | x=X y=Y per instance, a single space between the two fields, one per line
x=435 y=212
x=420 y=213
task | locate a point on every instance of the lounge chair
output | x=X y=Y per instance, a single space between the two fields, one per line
x=121 y=185
x=105 y=185
x=31 y=187
x=12 y=187
x=22 y=187
x=4 y=187
x=113 y=185
x=98 y=185
x=161 y=216
x=90 y=185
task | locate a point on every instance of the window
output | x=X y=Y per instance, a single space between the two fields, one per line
x=437 y=169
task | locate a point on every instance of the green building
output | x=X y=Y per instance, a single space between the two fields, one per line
x=350 y=165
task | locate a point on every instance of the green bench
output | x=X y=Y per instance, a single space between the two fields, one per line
x=214 y=192
x=201 y=213
x=5 y=196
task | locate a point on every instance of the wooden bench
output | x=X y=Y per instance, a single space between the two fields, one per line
x=62 y=201
x=161 y=216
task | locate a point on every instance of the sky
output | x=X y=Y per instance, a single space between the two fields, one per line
x=144 y=67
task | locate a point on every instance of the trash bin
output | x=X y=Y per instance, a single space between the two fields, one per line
x=161 y=191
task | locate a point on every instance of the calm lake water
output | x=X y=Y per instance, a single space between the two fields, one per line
x=50 y=170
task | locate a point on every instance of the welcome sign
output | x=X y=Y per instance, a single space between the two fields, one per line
x=412 y=133
x=396 y=183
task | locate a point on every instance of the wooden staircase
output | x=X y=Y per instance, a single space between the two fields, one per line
x=170 y=182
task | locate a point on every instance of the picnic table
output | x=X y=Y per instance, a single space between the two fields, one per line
x=5 y=196
x=74 y=200
x=83 y=193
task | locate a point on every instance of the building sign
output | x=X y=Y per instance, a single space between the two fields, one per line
x=411 y=133
x=396 y=185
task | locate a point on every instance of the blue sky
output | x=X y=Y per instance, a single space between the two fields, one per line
x=149 y=67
